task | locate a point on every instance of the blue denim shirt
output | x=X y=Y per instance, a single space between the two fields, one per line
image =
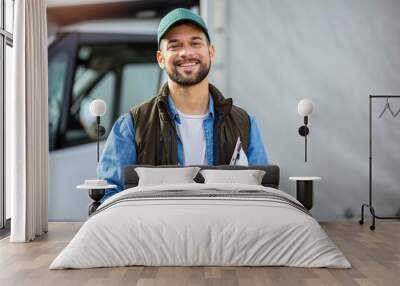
x=120 y=149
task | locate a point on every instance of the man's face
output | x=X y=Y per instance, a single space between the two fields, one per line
x=185 y=54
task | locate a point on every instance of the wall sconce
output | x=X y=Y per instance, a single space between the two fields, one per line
x=304 y=108
x=98 y=108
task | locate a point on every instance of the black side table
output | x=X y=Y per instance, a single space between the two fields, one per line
x=95 y=193
x=304 y=190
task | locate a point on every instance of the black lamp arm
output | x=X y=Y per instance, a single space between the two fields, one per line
x=100 y=131
x=98 y=136
x=305 y=120
x=303 y=131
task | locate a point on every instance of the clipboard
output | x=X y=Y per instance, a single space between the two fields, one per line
x=236 y=152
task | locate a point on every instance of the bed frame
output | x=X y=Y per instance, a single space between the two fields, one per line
x=270 y=179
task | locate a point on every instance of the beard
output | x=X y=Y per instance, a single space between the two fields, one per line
x=184 y=80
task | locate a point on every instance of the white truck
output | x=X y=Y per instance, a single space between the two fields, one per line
x=110 y=56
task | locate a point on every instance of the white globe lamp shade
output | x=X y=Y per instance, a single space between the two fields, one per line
x=305 y=107
x=98 y=107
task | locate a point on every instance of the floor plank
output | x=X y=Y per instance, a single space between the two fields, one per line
x=374 y=255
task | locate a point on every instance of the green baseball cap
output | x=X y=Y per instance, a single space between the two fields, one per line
x=180 y=15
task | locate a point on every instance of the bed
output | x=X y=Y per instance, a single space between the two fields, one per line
x=201 y=224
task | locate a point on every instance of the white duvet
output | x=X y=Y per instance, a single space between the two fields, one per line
x=200 y=231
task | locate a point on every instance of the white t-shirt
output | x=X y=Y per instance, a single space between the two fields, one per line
x=191 y=132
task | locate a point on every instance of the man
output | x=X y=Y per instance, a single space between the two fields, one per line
x=189 y=122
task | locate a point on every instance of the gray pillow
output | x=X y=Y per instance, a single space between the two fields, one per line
x=165 y=176
x=249 y=177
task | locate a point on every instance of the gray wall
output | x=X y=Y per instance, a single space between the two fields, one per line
x=271 y=54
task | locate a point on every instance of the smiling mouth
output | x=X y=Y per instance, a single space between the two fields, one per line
x=188 y=65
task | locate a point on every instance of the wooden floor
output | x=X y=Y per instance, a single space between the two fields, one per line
x=374 y=255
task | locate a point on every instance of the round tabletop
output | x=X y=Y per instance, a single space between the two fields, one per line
x=93 y=187
x=304 y=178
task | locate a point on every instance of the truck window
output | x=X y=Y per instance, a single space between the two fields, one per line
x=82 y=125
x=121 y=74
x=95 y=78
x=140 y=82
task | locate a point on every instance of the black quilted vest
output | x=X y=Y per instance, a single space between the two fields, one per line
x=156 y=136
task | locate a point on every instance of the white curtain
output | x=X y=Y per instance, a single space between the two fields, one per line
x=27 y=124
